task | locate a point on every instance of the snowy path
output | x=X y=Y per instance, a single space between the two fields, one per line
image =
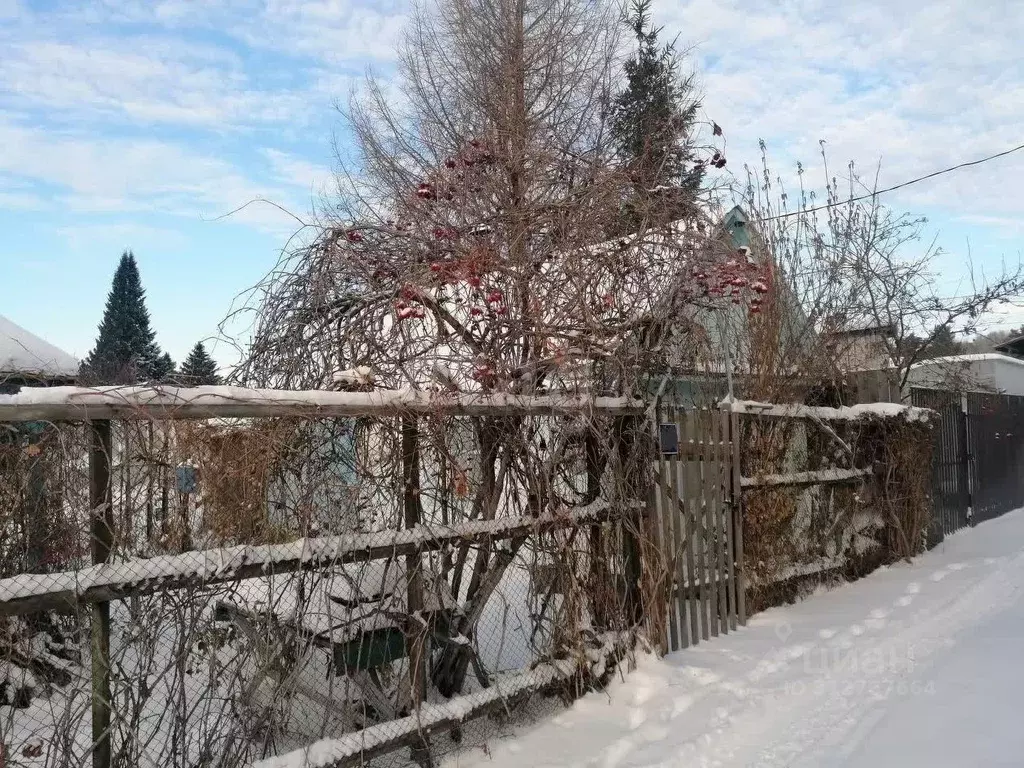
x=919 y=664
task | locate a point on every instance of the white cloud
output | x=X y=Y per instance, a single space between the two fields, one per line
x=21 y=201
x=329 y=30
x=19 y=196
x=919 y=86
x=1003 y=226
x=297 y=172
x=121 y=175
x=121 y=235
x=145 y=80
x=10 y=9
x=334 y=31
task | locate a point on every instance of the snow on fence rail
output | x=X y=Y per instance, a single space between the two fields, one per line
x=813 y=477
x=846 y=413
x=117 y=580
x=410 y=614
x=359 y=747
x=139 y=403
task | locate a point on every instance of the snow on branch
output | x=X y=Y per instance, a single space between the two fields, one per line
x=112 y=581
x=156 y=402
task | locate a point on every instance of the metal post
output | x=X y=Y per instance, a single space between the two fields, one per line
x=100 y=500
x=965 y=480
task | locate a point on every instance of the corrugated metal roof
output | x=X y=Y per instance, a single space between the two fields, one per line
x=23 y=352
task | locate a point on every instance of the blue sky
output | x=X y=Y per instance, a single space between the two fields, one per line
x=135 y=124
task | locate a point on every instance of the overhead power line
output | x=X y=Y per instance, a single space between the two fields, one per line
x=901 y=185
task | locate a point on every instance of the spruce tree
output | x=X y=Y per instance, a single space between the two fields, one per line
x=126 y=351
x=199 y=368
x=652 y=122
x=943 y=343
x=163 y=371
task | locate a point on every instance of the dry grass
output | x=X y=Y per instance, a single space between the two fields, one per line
x=236 y=465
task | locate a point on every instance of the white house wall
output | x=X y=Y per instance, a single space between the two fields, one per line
x=983 y=372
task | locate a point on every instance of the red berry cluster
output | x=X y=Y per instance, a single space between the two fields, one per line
x=408 y=305
x=454 y=176
x=734 y=279
x=484 y=373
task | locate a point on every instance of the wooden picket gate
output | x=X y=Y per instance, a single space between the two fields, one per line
x=699 y=525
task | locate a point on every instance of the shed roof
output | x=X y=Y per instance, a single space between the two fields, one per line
x=24 y=353
x=1013 y=346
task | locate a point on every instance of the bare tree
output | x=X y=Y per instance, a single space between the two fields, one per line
x=466 y=252
x=849 y=262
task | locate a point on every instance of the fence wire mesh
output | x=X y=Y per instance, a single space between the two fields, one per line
x=275 y=583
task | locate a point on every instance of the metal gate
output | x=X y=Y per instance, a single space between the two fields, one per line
x=951 y=480
x=978 y=465
x=995 y=429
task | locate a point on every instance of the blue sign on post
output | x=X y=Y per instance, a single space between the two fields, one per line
x=187 y=479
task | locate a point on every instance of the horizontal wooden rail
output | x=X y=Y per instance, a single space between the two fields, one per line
x=359 y=747
x=817 y=477
x=117 y=580
x=846 y=413
x=158 y=403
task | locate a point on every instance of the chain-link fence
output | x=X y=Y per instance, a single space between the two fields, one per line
x=307 y=590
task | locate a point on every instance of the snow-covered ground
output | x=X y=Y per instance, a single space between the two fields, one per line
x=919 y=664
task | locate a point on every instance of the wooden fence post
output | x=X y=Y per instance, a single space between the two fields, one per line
x=636 y=475
x=102 y=530
x=150 y=485
x=416 y=634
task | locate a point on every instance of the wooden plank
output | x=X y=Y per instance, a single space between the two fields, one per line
x=689 y=590
x=740 y=581
x=680 y=576
x=160 y=403
x=691 y=501
x=676 y=534
x=668 y=511
x=678 y=539
x=721 y=512
x=69 y=589
x=655 y=502
x=699 y=534
x=814 y=477
x=711 y=499
x=729 y=515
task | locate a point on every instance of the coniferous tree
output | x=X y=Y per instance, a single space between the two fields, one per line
x=126 y=351
x=652 y=123
x=199 y=368
x=164 y=369
x=943 y=342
